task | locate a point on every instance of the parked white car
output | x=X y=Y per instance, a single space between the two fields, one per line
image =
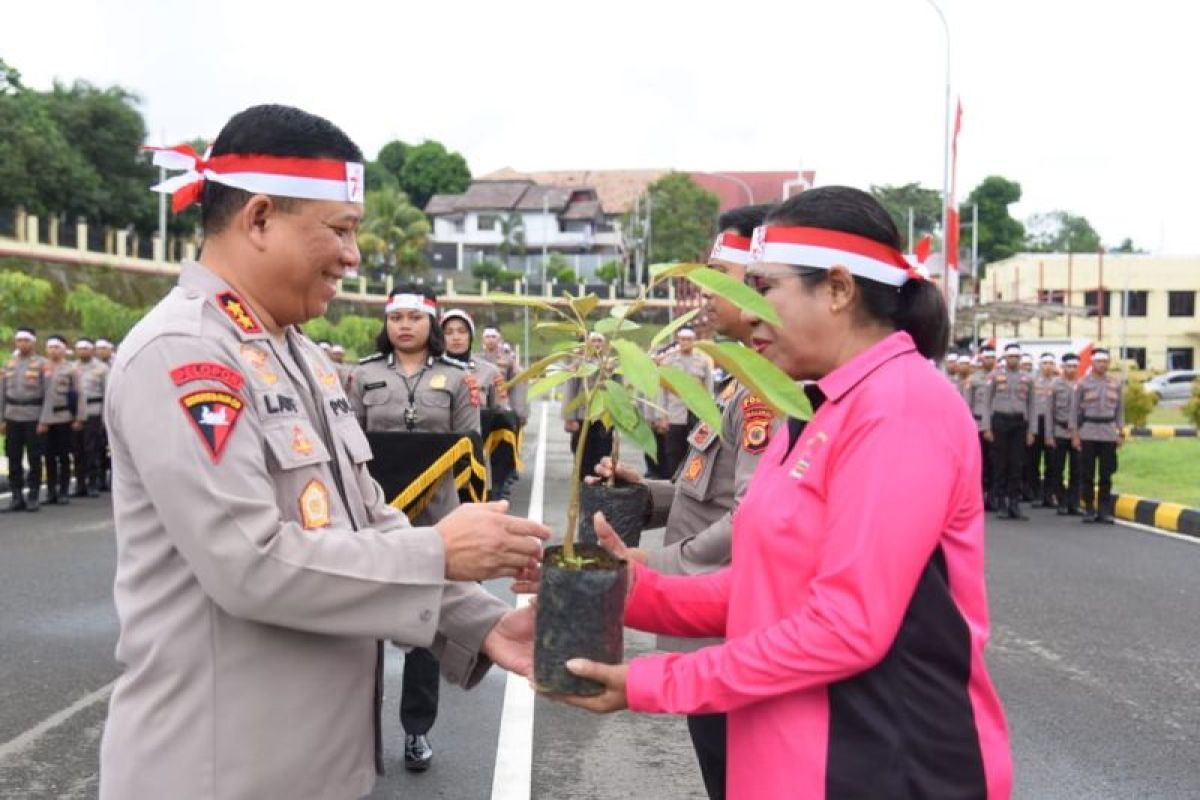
x=1174 y=385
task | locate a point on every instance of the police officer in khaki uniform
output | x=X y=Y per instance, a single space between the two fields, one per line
x=974 y=392
x=104 y=354
x=1097 y=430
x=698 y=507
x=1037 y=455
x=599 y=439
x=258 y=564
x=410 y=386
x=1062 y=454
x=23 y=402
x=89 y=440
x=677 y=421
x=337 y=354
x=63 y=416
x=459 y=331
x=1008 y=411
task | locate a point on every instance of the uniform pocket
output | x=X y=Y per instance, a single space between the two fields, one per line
x=355 y=441
x=295 y=445
x=434 y=399
x=377 y=397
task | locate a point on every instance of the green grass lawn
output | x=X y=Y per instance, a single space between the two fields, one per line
x=1160 y=469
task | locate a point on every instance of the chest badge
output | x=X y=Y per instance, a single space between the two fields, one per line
x=259 y=362
x=437 y=382
x=314 y=506
x=301 y=444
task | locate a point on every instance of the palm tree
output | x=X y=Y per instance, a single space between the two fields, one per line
x=394 y=232
x=512 y=229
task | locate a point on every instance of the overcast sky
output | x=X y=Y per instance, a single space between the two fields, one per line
x=1091 y=106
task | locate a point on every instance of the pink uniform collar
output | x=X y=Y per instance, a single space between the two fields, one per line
x=836 y=384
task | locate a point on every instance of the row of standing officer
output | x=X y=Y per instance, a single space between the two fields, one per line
x=51 y=413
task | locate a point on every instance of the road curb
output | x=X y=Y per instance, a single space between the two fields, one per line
x=1171 y=517
x=1160 y=431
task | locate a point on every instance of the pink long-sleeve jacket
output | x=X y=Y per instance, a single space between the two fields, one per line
x=855 y=609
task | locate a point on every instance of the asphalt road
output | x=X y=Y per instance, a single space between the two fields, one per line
x=1095 y=650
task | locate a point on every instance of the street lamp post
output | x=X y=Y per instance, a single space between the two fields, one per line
x=945 y=170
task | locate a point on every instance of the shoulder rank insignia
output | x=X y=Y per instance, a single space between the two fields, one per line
x=237 y=311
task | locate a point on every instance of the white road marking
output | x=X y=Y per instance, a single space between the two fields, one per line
x=24 y=741
x=1183 y=537
x=513 y=775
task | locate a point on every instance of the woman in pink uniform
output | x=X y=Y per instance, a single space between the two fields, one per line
x=855 y=612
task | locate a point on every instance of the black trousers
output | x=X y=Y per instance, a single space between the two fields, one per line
x=1037 y=465
x=1008 y=454
x=985 y=457
x=709 y=740
x=58 y=458
x=1064 y=455
x=598 y=445
x=22 y=441
x=1104 y=455
x=654 y=466
x=677 y=448
x=89 y=455
x=419 y=691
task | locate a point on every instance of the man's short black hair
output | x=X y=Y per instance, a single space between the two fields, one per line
x=270 y=130
x=745 y=219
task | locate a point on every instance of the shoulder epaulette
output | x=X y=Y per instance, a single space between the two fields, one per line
x=370 y=358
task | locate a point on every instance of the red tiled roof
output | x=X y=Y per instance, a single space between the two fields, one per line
x=764 y=187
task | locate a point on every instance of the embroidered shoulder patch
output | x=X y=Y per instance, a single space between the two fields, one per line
x=214 y=415
x=756 y=425
x=694 y=468
x=237 y=311
x=473 y=385
x=207 y=371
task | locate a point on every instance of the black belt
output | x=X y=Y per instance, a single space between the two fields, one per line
x=56 y=409
x=13 y=402
x=1099 y=419
x=95 y=400
x=1008 y=415
x=977 y=416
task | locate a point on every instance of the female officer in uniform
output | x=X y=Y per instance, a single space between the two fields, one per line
x=409 y=385
x=854 y=611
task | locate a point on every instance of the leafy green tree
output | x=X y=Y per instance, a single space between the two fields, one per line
x=378 y=177
x=512 y=231
x=21 y=297
x=430 y=169
x=1127 y=246
x=1000 y=236
x=558 y=268
x=609 y=271
x=392 y=155
x=926 y=205
x=494 y=272
x=394 y=233
x=40 y=169
x=354 y=332
x=1061 y=232
x=10 y=79
x=100 y=315
x=683 y=218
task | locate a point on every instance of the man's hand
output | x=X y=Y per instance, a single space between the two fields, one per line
x=662 y=425
x=612 y=676
x=1030 y=438
x=77 y=425
x=1076 y=442
x=42 y=429
x=482 y=541
x=610 y=541
x=571 y=426
x=1120 y=439
x=988 y=437
x=510 y=643
x=625 y=473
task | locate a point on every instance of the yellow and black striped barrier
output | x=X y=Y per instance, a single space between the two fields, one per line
x=1167 y=516
x=1159 y=431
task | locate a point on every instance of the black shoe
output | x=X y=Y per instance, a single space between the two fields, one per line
x=1090 y=519
x=989 y=504
x=31 y=502
x=418 y=755
x=1073 y=512
x=1063 y=511
x=1105 y=520
x=1014 y=511
x=92 y=492
x=16 y=502
x=51 y=497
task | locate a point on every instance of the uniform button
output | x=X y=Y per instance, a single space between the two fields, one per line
x=426 y=615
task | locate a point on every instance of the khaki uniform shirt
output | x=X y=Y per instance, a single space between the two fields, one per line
x=1098 y=409
x=1060 y=407
x=974 y=390
x=344 y=371
x=258 y=566
x=65 y=403
x=1043 y=390
x=491 y=381
x=1007 y=393
x=93 y=379
x=445 y=398
x=699 y=506
x=25 y=396
x=518 y=396
x=696 y=364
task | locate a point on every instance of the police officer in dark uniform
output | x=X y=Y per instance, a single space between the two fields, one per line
x=1008 y=411
x=23 y=401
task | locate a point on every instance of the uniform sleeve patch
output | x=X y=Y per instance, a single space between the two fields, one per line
x=756 y=425
x=214 y=415
x=694 y=468
x=473 y=385
x=207 y=371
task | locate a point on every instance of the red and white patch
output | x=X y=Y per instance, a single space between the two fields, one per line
x=473 y=385
x=207 y=371
x=214 y=415
x=237 y=311
x=756 y=425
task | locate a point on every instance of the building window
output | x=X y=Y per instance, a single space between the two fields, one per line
x=1135 y=354
x=1135 y=304
x=1179 y=357
x=1093 y=299
x=487 y=222
x=1052 y=296
x=1181 y=304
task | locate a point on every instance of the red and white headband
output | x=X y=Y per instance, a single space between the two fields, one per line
x=732 y=248
x=825 y=249
x=282 y=176
x=411 y=302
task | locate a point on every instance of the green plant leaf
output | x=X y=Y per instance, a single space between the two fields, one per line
x=735 y=292
x=504 y=298
x=585 y=305
x=549 y=382
x=565 y=346
x=620 y=310
x=609 y=325
x=669 y=330
x=762 y=377
x=639 y=369
x=561 y=327
x=644 y=437
x=619 y=405
x=535 y=369
x=672 y=270
x=693 y=394
x=596 y=408
x=574 y=404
